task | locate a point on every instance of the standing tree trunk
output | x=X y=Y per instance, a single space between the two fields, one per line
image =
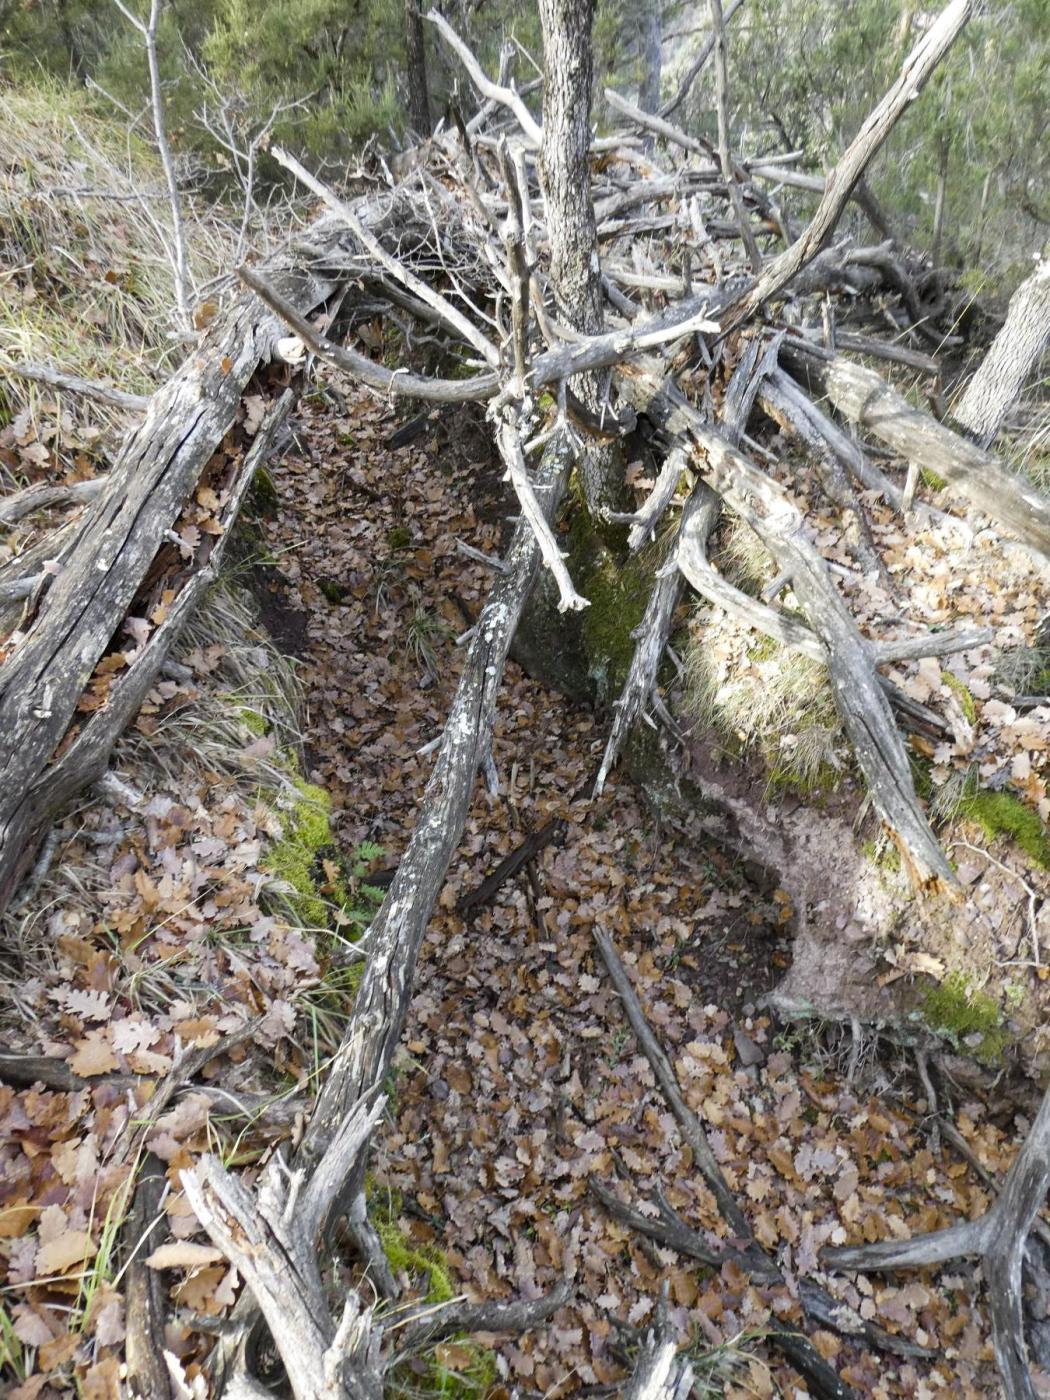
x=416 y=65
x=1014 y=353
x=575 y=272
x=649 y=92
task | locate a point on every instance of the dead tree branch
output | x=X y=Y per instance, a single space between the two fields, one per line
x=917 y=68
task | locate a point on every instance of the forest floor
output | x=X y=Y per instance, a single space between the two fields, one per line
x=519 y=1079
x=159 y=930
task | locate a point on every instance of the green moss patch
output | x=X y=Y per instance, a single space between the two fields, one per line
x=1002 y=814
x=617 y=594
x=296 y=857
x=458 y=1367
x=967 y=1017
x=962 y=694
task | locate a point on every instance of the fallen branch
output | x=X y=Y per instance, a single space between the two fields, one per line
x=865 y=398
x=799 y=1350
x=917 y=68
x=74 y=384
x=696 y=67
x=998 y=1237
x=859 y=695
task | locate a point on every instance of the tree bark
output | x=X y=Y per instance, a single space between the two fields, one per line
x=575 y=272
x=1014 y=353
x=419 y=115
x=649 y=92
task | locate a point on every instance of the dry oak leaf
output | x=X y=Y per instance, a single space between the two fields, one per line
x=94 y=1055
x=63 y=1252
x=183 y=1254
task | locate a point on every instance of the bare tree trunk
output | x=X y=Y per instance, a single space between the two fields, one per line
x=575 y=272
x=649 y=92
x=940 y=204
x=1014 y=353
x=419 y=115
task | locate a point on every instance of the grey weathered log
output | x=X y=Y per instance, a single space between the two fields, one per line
x=271 y=1237
x=916 y=70
x=101 y=573
x=864 y=397
x=846 y=448
x=1014 y=353
x=659 y=127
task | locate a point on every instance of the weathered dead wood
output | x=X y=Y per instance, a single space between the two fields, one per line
x=783 y=407
x=655 y=627
x=271 y=1238
x=998 y=1237
x=22 y=503
x=797 y=1347
x=417 y=1327
x=144 y=1292
x=1014 y=353
x=552 y=833
x=863 y=396
x=725 y=155
x=504 y=96
x=859 y=695
x=887 y=350
x=846 y=449
x=659 y=127
x=74 y=384
x=696 y=67
x=102 y=573
x=659 y=1373
x=395 y=383
x=917 y=68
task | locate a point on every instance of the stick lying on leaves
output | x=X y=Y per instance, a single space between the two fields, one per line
x=552 y=834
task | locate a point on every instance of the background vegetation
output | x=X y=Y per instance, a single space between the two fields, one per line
x=803 y=74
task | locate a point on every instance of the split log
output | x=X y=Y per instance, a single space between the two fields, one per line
x=864 y=397
x=46 y=752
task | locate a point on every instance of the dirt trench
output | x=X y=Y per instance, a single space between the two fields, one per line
x=518 y=1079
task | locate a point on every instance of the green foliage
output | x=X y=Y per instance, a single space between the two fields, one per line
x=294 y=859
x=475 y=1370
x=966 y=701
x=967 y=1017
x=1003 y=814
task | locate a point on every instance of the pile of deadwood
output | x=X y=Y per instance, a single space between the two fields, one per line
x=715 y=300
